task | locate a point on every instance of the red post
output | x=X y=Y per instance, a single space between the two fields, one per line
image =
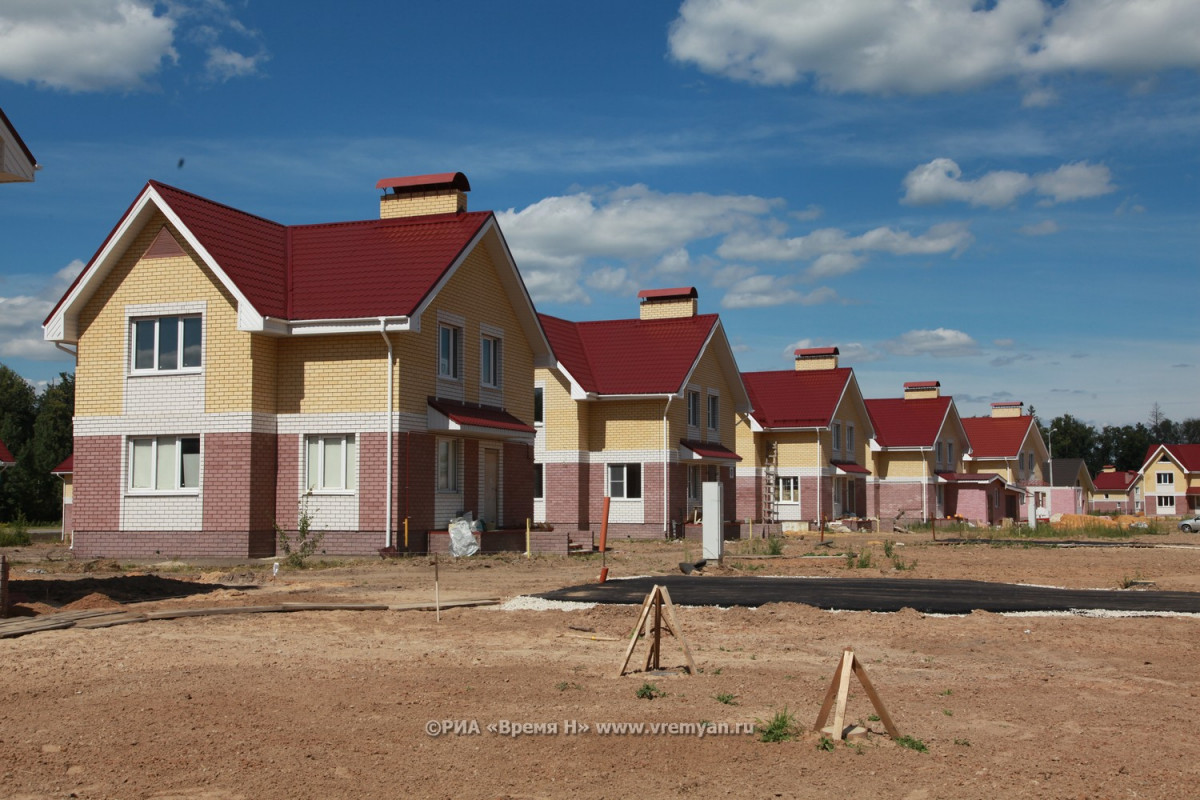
x=604 y=542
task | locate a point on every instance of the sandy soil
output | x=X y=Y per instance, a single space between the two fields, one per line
x=339 y=704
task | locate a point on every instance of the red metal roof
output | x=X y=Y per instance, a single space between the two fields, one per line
x=66 y=467
x=796 y=398
x=1188 y=455
x=969 y=477
x=908 y=423
x=453 y=180
x=1119 y=481
x=658 y=294
x=710 y=450
x=5 y=456
x=851 y=467
x=816 y=351
x=996 y=437
x=922 y=385
x=629 y=356
x=479 y=416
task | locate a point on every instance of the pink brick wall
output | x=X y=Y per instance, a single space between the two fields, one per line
x=518 y=484
x=887 y=500
x=97 y=482
x=164 y=544
x=567 y=495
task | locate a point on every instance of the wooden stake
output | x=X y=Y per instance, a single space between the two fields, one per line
x=658 y=602
x=839 y=689
x=437 y=598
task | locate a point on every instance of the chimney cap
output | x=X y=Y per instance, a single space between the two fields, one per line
x=809 y=352
x=923 y=385
x=664 y=294
x=412 y=183
x=1009 y=404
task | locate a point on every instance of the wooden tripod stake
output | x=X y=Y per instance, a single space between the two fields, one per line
x=658 y=603
x=839 y=689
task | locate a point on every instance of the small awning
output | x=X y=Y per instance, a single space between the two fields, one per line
x=1193 y=491
x=469 y=419
x=967 y=477
x=67 y=467
x=691 y=450
x=849 y=468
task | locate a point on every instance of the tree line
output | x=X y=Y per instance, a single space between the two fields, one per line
x=36 y=428
x=1123 y=446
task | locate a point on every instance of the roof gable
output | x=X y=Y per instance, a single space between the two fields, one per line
x=796 y=398
x=17 y=164
x=1187 y=456
x=5 y=456
x=997 y=437
x=1117 y=481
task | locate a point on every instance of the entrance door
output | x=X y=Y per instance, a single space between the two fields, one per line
x=491 y=486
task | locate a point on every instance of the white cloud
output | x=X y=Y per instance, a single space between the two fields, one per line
x=1044 y=228
x=766 y=291
x=883 y=46
x=102 y=45
x=21 y=318
x=941 y=181
x=831 y=265
x=613 y=280
x=810 y=213
x=939 y=343
x=943 y=238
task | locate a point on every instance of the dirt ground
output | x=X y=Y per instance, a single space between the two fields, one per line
x=342 y=703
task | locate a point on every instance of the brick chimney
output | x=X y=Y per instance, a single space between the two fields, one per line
x=922 y=390
x=420 y=195
x=1108 y=468
x=814 y=358
x=1010 y=409
x=668 y=303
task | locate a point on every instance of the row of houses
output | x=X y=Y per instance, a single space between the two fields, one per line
x=383 y=376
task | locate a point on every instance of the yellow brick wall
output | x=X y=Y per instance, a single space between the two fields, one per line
x=749 y=445
x=416 y=204
x=104 y=333
x=628 y=425
x=668 y=309
x=901 y=464
x=327 y=374
x=566 y=420
x=1005 y=469
x=851 y=411
x=707 y=375
x=799 y=449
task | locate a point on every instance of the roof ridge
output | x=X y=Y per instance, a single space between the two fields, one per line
x=393 y=222
x=158 y=185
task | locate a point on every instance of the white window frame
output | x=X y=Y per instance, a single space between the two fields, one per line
x=939 y=453
x=624 y=483
x=950 y=455
x=346 y=481
x=176 y=486
x=714 y=412
x=1165 y=501
x=450 y=351
x=449 y=461
x=693 y=408
x=694 y=481
x=1159 y=483
x=491 y=361
x=181 y=328
x=850 y=438
x=836 y=435
x=787 y=490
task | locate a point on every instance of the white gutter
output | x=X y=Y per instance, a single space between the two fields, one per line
x=387 y=532
x=666 y=468
x=820 y=490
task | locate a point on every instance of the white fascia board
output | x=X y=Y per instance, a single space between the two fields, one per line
x=577 y=391
x=324 y=327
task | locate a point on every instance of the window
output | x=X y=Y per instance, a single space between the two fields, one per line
x=1166 y=502
x=332 y=463
x=165 y=464
x=449 y=352
x=490 y=361
x=849 y=438
x=837 y=437
x=447 y=465
x=714 y=412
x=693 y=482
x=539 y=482
x=539 y=406
x=950 y=454
x=625 y=481
x=939 y=453
x=787 y=489
x=166 y=344
x=693 y=401
x=1165 y=480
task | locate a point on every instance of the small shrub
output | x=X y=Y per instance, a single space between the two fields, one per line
x=889 y=548
x=648 y=691
x=825 y=744
x=912 y=743
x=725 y=698
x=775 y=546
x=17 y=533
x=781 y=728
x=297 y=551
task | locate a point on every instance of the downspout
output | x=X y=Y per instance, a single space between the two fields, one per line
x=925 y=485
x=820 y=486
x=387 y=525
x=666 y=470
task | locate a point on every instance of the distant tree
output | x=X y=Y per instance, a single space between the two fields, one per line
x=18 y=409
x=1162 y=429
x=1123 y=446
x=1189 y=431
x=37 y=429
x=1073 y=438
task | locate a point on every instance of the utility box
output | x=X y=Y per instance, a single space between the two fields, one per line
x=713 y=494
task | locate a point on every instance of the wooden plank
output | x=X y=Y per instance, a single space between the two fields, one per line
x=677 y=632
x=884 y=717
x=111 y=621
x=489 y=601
x=14 y=631
x=839 y=714
x=211 y=612
x=637 y=630
x=830 y=694
x=334 y=607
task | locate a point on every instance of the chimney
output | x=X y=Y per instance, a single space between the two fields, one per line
x=922 y=390
x=1108 y=468
x=420 y=195
x=1012 y=409
x=668 y=303
x=814 y=358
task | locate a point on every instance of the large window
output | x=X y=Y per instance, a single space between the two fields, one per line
x=447 y=465
x=332 y=463
x=1166 y=502
x=625 y=481
x=449 y=352
x=787 y=489
x=1165 y=480
x=166 y=344
x=164 y=464
x=714 y=412
x=490 y=361
x=693 y=405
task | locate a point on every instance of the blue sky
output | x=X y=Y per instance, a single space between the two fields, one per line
x=1002 y=195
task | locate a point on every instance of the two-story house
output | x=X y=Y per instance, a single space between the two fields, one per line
x=1009 y=444
x=640 y=411
x=1171 y=475
x=917 y=459
x=804 y=446
x=1117 y=491
x=234 y=374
